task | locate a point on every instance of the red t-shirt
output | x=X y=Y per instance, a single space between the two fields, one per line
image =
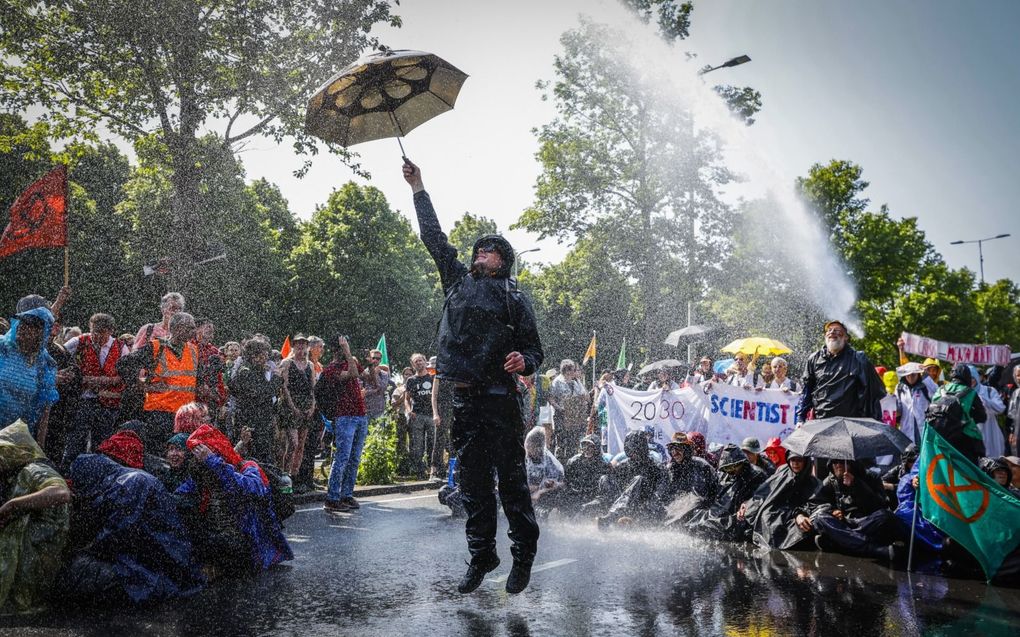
x=344 y=397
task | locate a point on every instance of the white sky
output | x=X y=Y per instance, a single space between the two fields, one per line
x=922 y=100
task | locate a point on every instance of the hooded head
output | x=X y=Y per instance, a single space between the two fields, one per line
x=591 y=441
x=731 y=458
x=218 y=443
x=534 y=444
x=890 y=380
x=17 y=448
x=775 y=451
x=997 y=470
x=494 y=243
x=30 y=330
x=961 y=374
x=635 y=446
x=125 y=447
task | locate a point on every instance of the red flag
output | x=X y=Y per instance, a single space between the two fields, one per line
x=285 y=349
x=38 y=216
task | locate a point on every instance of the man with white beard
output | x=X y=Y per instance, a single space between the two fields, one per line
x=840 y=381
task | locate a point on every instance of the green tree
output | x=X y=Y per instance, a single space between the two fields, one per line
x=177 y=69
x=467 y=230
x=249 y=291
x=584 y=292
x=360 y=270
x=625 y=160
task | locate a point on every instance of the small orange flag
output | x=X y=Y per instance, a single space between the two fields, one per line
x=285 y=348
x=38 y=216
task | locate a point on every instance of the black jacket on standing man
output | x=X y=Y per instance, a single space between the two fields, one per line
x=484 y=317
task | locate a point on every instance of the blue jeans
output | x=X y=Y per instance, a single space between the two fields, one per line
x=350 y=432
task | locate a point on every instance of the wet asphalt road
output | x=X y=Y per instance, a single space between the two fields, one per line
x=392 y=569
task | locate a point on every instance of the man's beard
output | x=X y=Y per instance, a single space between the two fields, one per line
x=835 y=345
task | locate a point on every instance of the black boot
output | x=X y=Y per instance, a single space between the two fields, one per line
x=519 y=577
x=476 y=573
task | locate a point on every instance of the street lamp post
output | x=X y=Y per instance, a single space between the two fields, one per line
x=981 y=254
x=517 y=259
x=737 y=61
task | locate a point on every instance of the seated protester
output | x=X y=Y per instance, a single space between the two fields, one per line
x=33 y=521
x=701 y=449
x=927 y=536
x=998 y=470
x=778 y=511
x=752 y=449
x=176 y=471
x=151 y=462
x=850 y=514
x=129 y=543
x=545 y=473
x=230 y=513
x=1013 y=463
x=449 y=494
x=582 y=474
x=891 y=478
x=775 y=452
x=190 y=417
x=738 y=480
x=956 y=412
x=628 y=489
x=686 y=473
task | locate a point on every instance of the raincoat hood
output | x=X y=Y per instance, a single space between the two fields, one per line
x=731 y=456
x=535 y=438
x=218 y=443
x=635 y=445
x=502 y=246
x=17 y=448
x=40 y=313
x=125 y=447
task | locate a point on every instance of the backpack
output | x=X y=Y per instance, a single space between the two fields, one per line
x=950 y=413
x=281 y=490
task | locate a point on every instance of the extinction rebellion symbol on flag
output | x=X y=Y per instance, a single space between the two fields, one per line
x=948 y=495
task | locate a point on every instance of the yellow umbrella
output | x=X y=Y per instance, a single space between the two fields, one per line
x=760 y=345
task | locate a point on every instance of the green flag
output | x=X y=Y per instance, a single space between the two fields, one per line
x=621 y=362
x=965 y=504
x=382 y=348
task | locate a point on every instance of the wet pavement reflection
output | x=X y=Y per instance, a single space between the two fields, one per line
x=392 y=569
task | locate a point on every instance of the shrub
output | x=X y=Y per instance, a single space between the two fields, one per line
x=379 y=457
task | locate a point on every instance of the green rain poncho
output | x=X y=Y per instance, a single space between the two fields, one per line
x=30 y=544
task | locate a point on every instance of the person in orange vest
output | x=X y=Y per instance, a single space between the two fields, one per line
x=171 y=374
x=95 y=355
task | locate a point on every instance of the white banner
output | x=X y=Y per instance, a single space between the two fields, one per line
x=955 y=352
x=725 y=414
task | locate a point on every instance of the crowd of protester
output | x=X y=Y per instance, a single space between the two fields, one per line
x=768 y=495
x=139 y=467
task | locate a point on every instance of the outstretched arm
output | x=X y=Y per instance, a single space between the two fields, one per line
x=432 y=235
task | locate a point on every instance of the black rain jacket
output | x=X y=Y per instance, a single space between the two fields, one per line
x=842 y=385
x=484 y=317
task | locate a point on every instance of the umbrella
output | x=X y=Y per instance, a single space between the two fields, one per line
x=757 y=345
x=691 y=330
x=665 y=363
x=846 y=439
x=384 y=94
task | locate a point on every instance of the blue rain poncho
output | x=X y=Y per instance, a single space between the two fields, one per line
x=26 y=387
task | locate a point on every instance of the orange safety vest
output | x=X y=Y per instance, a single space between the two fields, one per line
x=171 y=384
x=88 y=362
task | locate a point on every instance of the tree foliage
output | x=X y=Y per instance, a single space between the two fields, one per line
x=467 y=230
x=625 y=161
x=175 y=70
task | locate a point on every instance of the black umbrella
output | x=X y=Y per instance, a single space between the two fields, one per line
x=385 y=94
x=846 y=439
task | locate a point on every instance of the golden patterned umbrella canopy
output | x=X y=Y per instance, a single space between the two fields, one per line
x=385 y=94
